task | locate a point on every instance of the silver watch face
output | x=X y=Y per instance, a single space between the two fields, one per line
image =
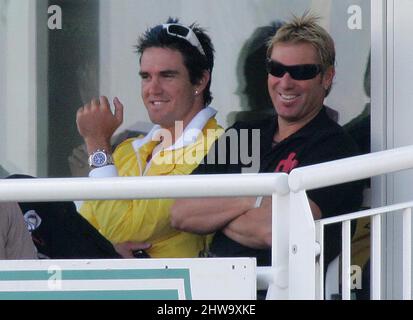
x=98 y=159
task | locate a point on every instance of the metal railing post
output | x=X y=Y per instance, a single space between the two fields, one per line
x=278 y=288
x=407 y=254
x=302 y=249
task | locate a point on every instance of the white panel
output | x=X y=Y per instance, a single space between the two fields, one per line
x=210 y=278
x=3 y=64
x=399 y=121
x=19 y=87
x=352 y=51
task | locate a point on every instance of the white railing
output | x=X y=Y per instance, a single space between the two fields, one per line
x=351 y=169
x=375 y=265
x=271 y=184
x=142 y=187
x=296 y=241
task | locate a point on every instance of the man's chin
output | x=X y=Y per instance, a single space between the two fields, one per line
x=290 y=119
x=288 y=115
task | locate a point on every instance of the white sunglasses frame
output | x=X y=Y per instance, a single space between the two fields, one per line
x=190 y=37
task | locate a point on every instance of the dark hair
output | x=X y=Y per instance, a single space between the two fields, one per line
x=194 y=61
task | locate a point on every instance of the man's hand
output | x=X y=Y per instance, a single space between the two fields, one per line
x=96 y=123
x=126 y=249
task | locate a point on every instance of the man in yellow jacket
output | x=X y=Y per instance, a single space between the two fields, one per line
x=176 y=62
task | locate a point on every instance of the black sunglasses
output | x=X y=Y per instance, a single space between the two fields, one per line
x=297 y=72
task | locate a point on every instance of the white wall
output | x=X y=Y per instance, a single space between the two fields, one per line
x=3 y=64
x=352 y=48
x=18 y=86
x=399 y=123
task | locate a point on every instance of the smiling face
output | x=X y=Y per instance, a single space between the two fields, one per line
x=297 y=100
x=167 y=91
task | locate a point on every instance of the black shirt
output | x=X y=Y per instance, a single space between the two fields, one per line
x=319 y=141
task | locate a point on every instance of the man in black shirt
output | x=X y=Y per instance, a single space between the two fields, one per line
x=300 y=64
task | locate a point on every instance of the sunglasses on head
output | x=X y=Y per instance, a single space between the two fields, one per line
x=183 y=32
x=297 y=72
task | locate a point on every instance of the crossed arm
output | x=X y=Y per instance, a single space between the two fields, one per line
x=235 y=217
x=207 y=215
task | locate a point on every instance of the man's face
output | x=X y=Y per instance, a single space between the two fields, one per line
x=297 y=100
x=167 y=91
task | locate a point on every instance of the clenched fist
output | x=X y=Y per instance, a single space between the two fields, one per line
x=96 y=123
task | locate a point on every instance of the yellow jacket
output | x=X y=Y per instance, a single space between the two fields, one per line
x=149 y=220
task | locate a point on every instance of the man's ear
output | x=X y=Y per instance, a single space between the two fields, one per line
x=328 y=77
x=203 y=82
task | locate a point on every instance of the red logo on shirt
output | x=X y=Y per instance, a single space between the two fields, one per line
x=288 y=164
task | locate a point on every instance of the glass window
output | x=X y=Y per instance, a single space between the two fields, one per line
x=47 y=72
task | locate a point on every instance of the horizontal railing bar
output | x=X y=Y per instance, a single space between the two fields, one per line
x=351 y=169
x=365 y=213
x=64 y=189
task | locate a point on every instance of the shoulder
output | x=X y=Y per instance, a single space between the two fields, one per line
x=9 y=208
x=9 y=211
x=212 y=129
x=331 y=148
x=335 y=137
x=327 y=141
x=257 y=124
x=124 y=152
x=126 y=146
x=329 y=131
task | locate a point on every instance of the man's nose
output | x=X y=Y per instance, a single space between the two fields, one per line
x=286 y=81
x=154 y=86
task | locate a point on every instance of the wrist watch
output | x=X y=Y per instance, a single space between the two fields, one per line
x=100 y=158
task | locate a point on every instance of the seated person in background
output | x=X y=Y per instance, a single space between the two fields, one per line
x=15 y=240
x=3 y=172
x=300 y=64
x=252 y=76
x=176 y=62
x=359 y=127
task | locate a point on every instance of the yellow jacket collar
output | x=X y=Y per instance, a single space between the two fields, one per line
x=190 y=134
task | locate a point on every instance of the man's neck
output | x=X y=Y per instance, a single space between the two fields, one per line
x=177 y=129
x=287 y=128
